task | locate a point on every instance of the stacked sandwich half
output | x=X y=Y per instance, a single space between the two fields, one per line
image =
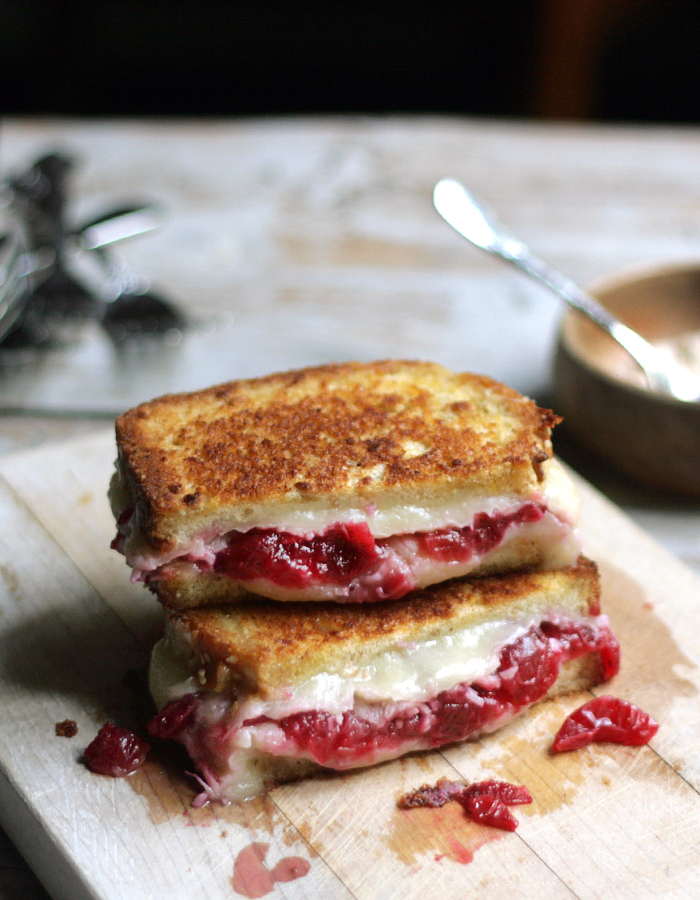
x=356 y=561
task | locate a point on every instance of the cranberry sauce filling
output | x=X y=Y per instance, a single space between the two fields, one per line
x=175 y=718
x=527 y=669
x=340 y=554
x=487 y=532
x=347 y=552
x=120 y=537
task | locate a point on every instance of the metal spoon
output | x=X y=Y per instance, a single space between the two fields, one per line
x=459 y=209
x=131 y=310
x=49 y=312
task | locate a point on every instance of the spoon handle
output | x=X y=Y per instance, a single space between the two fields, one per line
x=459 y=209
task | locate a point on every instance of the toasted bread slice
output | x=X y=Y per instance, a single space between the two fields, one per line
x=348 y=453
x=275 y=689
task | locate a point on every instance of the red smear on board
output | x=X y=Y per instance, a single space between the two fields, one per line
x=252 y=878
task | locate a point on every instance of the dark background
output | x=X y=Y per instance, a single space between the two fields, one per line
x=629 y=60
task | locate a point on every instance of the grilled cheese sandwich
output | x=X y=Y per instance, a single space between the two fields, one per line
x=261 y=693
x=350 y=482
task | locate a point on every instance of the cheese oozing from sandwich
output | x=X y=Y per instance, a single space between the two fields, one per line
x=452 y=683
x=373 y=553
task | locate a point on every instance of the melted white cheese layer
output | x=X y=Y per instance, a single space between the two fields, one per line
x=556 y=492
x=386 y=518
x=407 y=673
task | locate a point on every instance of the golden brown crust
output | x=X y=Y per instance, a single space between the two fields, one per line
x=324 y=432
x=266 y=645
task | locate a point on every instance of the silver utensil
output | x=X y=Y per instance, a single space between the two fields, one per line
x=130 y=310
x=460 y=210
x=38 y=293
x=125 y=307
x=117 y=224
x=52 y=309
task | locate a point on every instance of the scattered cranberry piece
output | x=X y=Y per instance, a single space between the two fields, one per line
x=510 y=794
x=174 y=718
x=486 y=802
x=116 y=752
x=489 y=810
x=605 y=719
x=431 y=795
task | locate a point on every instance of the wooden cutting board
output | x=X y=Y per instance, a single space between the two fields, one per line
x=606 y=821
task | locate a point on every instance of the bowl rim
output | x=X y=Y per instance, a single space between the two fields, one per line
x=640 y=271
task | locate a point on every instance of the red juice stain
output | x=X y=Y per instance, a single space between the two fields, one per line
x=445 y=833
x=291 y=868
x=460 y=853
x=252 y=878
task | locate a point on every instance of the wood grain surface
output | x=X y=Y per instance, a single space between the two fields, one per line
x=606 y=821
x=315 y=240
x=318 y=241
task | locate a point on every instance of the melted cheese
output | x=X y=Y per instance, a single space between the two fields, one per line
x=557 y=493
x=408 y=673
x=386 y=518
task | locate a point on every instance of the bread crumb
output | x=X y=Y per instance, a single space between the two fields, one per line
x=67 y=728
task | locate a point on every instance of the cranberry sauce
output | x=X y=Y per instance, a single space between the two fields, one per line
x=343 y=552
x=346 y=552
x=527 y=669
x=175 y=718
x=605 y=719
x=120 y=538
x=116 y=752
x=487 y=532
x=486 y=802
